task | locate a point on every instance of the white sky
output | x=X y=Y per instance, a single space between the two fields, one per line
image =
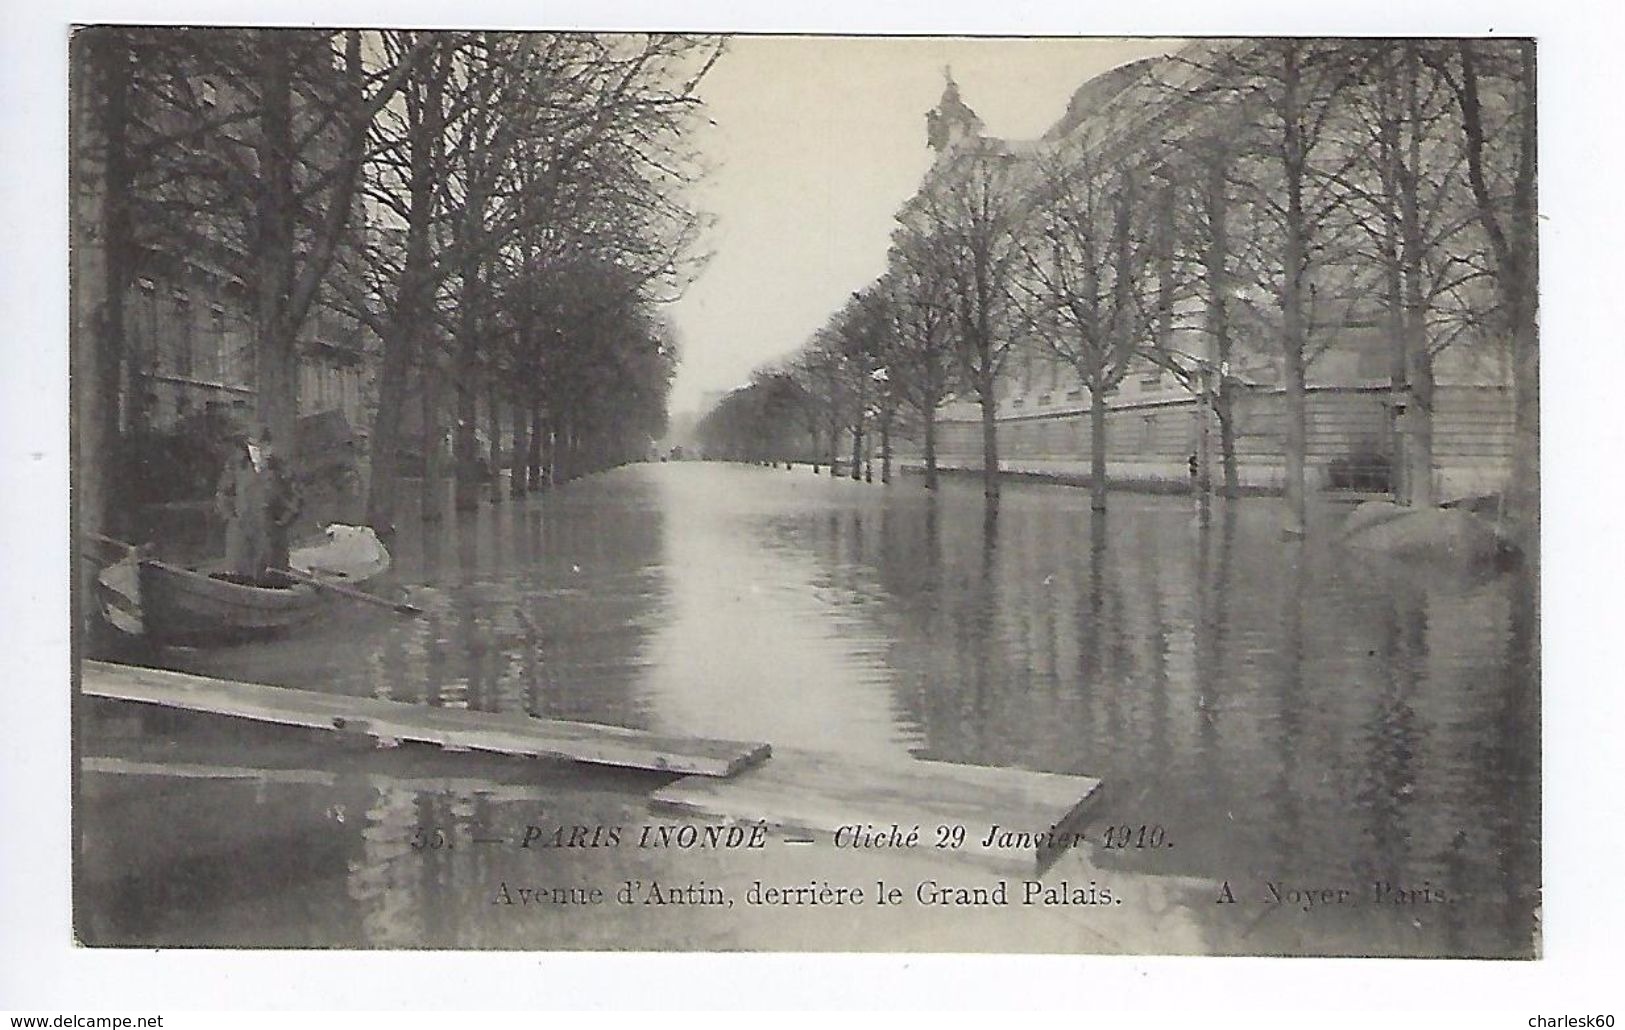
x=818 y=142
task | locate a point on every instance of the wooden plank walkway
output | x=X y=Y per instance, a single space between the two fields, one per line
x=488 y=790
x=817 y=794
x=451 y=728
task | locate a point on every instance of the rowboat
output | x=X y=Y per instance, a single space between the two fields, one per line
x=170 y=604
x=187 y=606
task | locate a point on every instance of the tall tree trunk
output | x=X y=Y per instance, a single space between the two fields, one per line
x=857 y=448
x=931 y=448
x=1223 y=410
x=556 y=468
x=1216 y=266
x=466 y=382
x=1204 y=451
x=555 y=455
x=90 y=457
x=1419 y=434
x=1418 y=354
x=533 y=452
x=433 y=485
x=1293 y=330
x=1097 y=444
x=1399 y=379
x=493 y=421
x=400 y=347
x=102 y=274
x=412 y=305
x=1524 y=497
x=276 y=362
x=100 y=70
x=518 y=460
x=1521 y=275
x=1296 y=442
x=1514 y=244
x=1393 y=282
x=990 y=437
x=885 y=448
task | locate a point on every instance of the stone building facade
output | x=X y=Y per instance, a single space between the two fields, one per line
x=1154 y=418
x=187 y=351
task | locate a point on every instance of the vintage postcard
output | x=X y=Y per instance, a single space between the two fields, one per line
x=571 y=491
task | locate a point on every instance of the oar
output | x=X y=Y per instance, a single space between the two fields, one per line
x=351 y=592
x=110 y=541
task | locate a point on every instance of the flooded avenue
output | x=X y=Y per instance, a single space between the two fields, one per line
x=1288 y=714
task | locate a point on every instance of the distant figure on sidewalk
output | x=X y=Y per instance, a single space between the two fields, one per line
x=1195 y=468
x=259 y=501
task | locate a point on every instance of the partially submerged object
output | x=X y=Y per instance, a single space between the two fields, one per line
x=1450 y=534
x=391 y=722
x=170 y=604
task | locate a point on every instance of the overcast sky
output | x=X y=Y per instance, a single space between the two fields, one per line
x=818 y=142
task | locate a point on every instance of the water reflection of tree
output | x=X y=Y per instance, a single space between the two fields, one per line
x=199 y=863
x=381 y=879
x=418 y=869
x=1211 y=647
x=1519 y=724
x=1393 y=735
x=1321 y=718
x=557 y=629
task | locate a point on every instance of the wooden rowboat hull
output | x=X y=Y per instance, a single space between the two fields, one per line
x=182 y=606
x=169 y=604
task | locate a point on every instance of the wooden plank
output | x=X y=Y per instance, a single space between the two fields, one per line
x=452 y=728
x=113 y=765
x=818 y=794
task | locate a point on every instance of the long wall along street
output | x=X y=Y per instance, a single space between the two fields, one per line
x=1142 y=562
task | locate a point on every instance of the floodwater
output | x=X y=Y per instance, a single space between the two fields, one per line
x=1288 y=719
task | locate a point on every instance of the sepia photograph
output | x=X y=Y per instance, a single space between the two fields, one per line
x=723 y=492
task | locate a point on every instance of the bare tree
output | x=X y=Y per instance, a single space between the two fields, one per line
x=410 y=188
x=1292 y=153
x=103 y=179
x=238 y=151
x=919 y=360
x=1199 y=169
x=1086 y=262
x=1487 y=75
x=583 y=168
x=1412 y=201
x=859 y=334
x=818 y=370
x=966 y=224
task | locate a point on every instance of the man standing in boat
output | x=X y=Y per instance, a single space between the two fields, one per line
x=259 y=501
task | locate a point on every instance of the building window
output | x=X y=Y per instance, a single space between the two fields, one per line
x=222 y=342
x=181 y=347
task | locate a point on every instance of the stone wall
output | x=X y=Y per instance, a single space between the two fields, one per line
x=1351 y=440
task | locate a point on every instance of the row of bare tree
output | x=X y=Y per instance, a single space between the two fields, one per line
x=1224 y=216
x=500 y=212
